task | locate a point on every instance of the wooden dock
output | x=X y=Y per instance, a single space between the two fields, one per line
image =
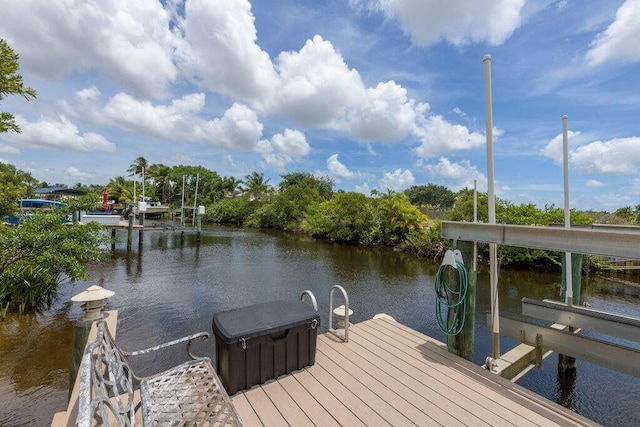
x=386 y=375
x=390 y=375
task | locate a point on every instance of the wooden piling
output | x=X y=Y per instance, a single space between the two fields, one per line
x=567 y=364
x=462 y=343
x=199 y=226
x=130 y=232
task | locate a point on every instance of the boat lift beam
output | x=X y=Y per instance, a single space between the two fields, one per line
x=615 y=325
x=610 y=355
x=582 y=241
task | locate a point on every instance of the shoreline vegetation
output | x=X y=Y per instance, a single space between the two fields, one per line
x=49 y=252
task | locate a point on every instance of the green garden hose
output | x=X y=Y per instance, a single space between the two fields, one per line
x=453 y=301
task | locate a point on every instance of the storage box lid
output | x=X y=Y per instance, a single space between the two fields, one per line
x=262 y=319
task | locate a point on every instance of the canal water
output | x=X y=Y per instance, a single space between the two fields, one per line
x=171 y=286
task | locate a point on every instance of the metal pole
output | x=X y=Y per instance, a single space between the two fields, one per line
x=567 y=211
x=475 y=220
x=182 y=208
x=195 y=199
x=493 y=250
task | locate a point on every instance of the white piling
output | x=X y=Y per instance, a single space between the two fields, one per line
x=567 y=210
x=493 y=249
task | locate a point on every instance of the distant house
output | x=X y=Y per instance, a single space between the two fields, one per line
x=56 y=193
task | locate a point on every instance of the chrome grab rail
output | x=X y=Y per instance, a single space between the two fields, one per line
x=312 y=297
x=344 y=337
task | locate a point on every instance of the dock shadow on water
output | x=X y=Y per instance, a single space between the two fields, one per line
x=171 y=285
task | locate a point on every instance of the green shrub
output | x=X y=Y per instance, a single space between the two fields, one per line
x=38 y=255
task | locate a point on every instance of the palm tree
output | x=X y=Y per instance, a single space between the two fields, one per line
x=120 y=189
x=255 y=186
x=159 y=173
x=230 y=185
x=137 y=166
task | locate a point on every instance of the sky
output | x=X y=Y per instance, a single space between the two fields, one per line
x=375 y=94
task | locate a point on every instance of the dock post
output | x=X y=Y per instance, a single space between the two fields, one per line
x=113 y=239
x=78 y=343
x=140 y=235
x=130 y=232
x=567 y=364
x=462 y=343
x=200 y=213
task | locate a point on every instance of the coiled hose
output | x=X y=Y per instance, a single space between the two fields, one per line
x=452 y=301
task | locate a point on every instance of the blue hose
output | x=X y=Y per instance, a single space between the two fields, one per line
x=452 y=301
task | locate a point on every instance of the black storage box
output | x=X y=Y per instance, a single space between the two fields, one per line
x=261 y=342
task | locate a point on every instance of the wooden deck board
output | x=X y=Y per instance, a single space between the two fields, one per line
x=389 y=374
x=517 y=396
x=427 y=401
x=452 y=385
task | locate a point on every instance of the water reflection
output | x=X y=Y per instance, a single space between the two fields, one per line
x=172 y=285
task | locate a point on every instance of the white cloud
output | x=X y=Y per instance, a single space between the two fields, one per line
x=130 y=41
x=619 y=42
x=57 y=134
x=364 y=189
x=397 y=180
x=562 y=5
x=7 y=149
x=554 y=148
x=617 y=156
x=386 y=115
x=77 y=173
x=592 y=183
x=283 y=149
x=338 y=169
x=220 y=50
x=461 y=174
x=316 y=84
x=175 y=120
x=239 y=128
x=459 y=23
x=439 y=136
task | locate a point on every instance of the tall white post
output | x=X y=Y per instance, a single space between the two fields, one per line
x=182 y=208
x=493 y=249
x=567 y=210
x=475 y=220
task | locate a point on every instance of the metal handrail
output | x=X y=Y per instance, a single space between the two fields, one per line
x=344 y=337
x=309 y=294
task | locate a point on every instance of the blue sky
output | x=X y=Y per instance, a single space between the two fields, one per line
x=373 y=93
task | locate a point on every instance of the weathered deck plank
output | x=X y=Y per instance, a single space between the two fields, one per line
x=389 y=374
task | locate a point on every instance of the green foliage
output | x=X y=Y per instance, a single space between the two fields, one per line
x=510 y=213
x=120 y=189
x=437 y=196
x=425 y=242
x=397 y=217
x=347 y=217
x=11 y=84
x=629 y=215
x=323 y=185
x=230 y=211
x=14 y=184
x=41 y=253
x=285 y=210
x=255 y=186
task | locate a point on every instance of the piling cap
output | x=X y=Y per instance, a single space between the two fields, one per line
x=93 y=293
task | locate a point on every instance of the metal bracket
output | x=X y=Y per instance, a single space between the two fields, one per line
x=243 y=342
x=521 y=336
x=539 y=351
